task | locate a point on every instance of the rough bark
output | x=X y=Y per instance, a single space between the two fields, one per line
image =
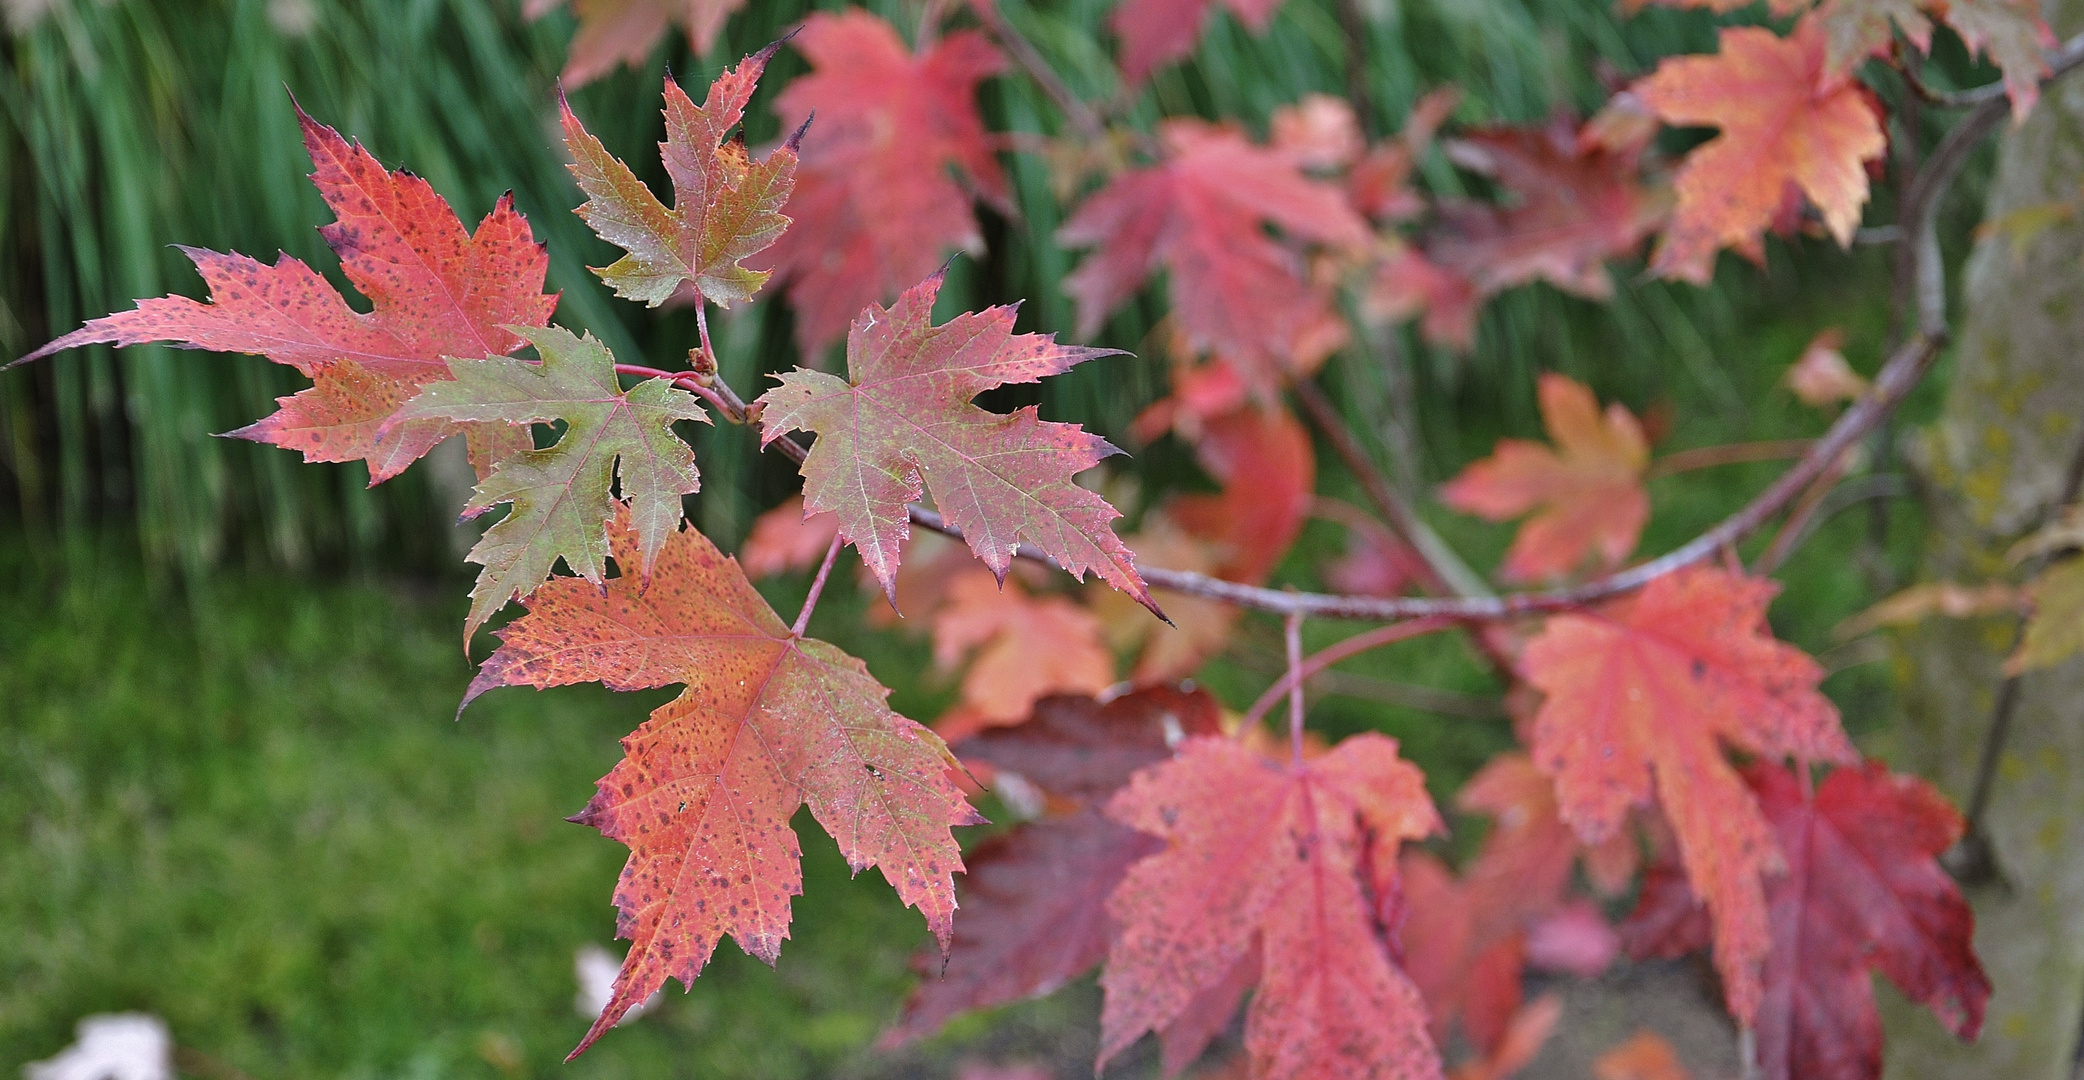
x=1991 y=467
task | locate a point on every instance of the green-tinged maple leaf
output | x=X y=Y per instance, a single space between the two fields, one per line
x=725 y=205
x=2055 y=632
x=435 y=290
x=902 y=424
x=2010 y=33
x=1644 y=695
x=1294 y=857
x=560 y=494
x=769 y=722
x=1785 y=126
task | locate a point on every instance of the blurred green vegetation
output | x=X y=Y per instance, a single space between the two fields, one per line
x=130 y=127
x=230 y=789
x=261 y=825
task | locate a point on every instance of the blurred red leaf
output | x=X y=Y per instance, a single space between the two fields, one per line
x=1863 y=892
x=1200 y=215
x=1021 y=647
x=624 y=32
x=785 y=539
x=1156 y=32
x=1588 y=498
x=1268 y=470
x=875 y=207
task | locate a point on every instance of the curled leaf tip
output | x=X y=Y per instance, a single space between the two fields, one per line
x=795 y=138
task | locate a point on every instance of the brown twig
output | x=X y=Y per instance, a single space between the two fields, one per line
x=1744 y=453
x=817 y=586
x=1079 y=114
x=1291 y=635
x=1446 y=571
x=1292 y=679
x=1795 y=528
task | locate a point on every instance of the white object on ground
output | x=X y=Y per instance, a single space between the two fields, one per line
x=112 y=1046
x=596 y=969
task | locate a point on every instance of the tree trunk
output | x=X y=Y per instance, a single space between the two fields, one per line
x=1991 y=468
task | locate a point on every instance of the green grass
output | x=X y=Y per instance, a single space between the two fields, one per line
x=255 y=817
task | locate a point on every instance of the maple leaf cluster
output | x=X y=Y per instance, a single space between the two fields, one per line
x=1168 y=843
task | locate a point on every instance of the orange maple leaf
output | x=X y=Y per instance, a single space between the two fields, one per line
x=1644 y=1056
x=1589 y=497
x=1785 y=120
x=1025 y=647
x=786 y=538
x=769 y=722
x=1643 y=696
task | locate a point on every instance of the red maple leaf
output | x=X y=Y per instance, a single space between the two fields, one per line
x=1267 y=854
x=1034 y=899
x=1643 y=696
x=902 y=424
x=1078 y=749
x=613 y=32
x=1523 y=868
x=1588 y=498
x=1465 y=939
x=1264 y=461
x=1863 y=892
x=1201 y=216
x=1575 y=204
x=874 y=206
x=769 y=722
x=1157 y=32
x=1787 y=125
x=1462 y=976
x=435 y=291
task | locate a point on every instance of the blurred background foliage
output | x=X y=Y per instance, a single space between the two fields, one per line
x=227 y=787
x=131 y=127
